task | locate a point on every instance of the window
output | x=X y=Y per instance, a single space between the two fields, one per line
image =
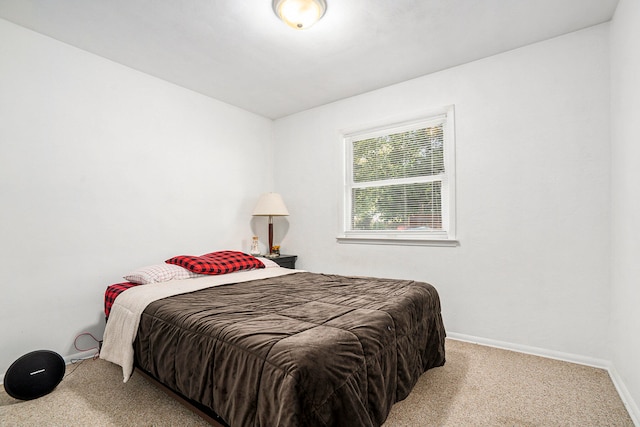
x=399 y=182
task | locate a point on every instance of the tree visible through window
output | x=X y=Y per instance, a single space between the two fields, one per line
x=398 y=180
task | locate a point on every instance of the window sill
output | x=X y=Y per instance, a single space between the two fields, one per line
x=397 y=240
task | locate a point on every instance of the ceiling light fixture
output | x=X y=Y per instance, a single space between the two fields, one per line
x=300 y=14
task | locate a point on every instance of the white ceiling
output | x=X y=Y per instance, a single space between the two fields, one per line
x=237 y=51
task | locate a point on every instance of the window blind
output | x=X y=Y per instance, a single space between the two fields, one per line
x=396 y=178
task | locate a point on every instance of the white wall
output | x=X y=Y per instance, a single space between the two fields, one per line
x=625 y=114
x=533 y=162
x=104 y=169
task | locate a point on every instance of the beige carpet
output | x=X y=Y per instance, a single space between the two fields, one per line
x=478 y=386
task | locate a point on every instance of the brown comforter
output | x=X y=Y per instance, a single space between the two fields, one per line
x=298 y=350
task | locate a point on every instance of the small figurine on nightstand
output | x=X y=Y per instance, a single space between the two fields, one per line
x=275 y=251
x=255 y=249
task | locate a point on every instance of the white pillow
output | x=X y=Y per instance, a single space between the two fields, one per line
x=159 y=273
x=267 y=262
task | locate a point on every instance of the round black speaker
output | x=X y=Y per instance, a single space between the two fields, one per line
x=34 y=375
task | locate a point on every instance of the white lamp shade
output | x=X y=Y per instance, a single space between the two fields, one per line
x=270 y=204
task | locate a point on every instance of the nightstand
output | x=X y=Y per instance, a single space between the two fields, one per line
x=286 y=261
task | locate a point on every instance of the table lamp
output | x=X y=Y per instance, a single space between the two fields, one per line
x=270 y=204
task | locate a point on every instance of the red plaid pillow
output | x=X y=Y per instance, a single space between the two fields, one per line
x=220 y=262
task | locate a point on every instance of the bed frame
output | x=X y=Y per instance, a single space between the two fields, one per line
x=205 y=413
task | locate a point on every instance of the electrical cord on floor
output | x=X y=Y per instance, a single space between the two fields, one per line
x=79 y=361
x=96 y=347
x=76 y=362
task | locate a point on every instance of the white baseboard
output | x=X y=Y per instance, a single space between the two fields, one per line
x=627 y=399
x=625 y=396
x=535 y=351
x=80 y=356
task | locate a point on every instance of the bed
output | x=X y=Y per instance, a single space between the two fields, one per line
x=279 y=347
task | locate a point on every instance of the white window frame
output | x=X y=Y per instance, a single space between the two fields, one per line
x=444 y=237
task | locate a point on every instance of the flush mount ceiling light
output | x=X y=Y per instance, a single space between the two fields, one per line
x=299 y=14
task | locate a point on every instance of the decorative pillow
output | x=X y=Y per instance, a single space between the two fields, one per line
x=268 y=263
x=158 y=273
x=220 y=262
